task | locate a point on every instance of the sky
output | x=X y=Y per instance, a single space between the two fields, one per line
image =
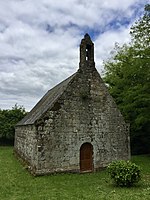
x=39 y=41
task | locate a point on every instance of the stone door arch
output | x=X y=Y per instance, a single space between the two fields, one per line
x=86 y=157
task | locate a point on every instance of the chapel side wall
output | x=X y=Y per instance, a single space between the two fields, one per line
x=26 y=144
x=84 y=113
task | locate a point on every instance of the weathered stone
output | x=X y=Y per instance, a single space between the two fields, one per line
x=78 y=111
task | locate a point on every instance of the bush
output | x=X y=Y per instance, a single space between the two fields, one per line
x=124 y=173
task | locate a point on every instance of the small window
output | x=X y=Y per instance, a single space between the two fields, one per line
x=88 y=52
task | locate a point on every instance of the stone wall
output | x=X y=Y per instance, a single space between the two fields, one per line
x=26 y=144
x=84 y=113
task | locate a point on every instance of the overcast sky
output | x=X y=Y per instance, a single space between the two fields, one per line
x=39 y=41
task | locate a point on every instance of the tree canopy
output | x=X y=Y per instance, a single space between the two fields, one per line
x=8 y=120
x=128 y=78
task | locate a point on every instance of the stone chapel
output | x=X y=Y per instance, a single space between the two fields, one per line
x=76 y=126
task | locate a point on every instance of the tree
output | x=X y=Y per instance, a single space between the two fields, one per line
x=128 y=77
x=8 y=120
x=140 y=31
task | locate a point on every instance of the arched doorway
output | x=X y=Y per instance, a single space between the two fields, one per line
x=86 y=157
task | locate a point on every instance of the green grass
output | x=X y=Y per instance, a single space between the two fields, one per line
x=17 y=184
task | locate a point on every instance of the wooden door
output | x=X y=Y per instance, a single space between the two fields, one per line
x=86 y=157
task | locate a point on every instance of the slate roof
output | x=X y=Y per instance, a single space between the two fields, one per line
x=45 y=103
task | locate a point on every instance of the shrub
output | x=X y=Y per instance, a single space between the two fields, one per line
x=124 y=173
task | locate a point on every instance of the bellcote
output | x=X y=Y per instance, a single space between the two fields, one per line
x=86 y=53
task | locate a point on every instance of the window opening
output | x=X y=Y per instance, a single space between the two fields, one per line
x=88 y=52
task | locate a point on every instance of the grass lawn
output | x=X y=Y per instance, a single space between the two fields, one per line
x=17 y=184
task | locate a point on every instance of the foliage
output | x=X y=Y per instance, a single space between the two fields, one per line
x=8 y=120
x=140 y=30
x=128 y=77
x=124 y=173
x=16 y=183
